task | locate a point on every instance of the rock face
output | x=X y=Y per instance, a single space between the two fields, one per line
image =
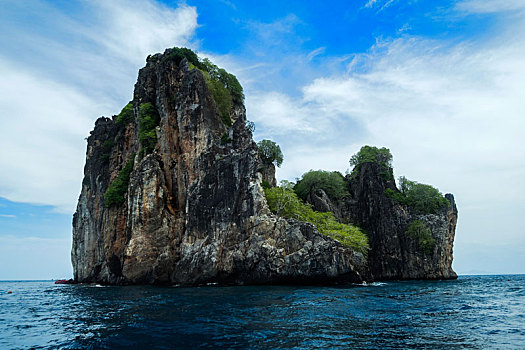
x=194 y=211
x=393 y=253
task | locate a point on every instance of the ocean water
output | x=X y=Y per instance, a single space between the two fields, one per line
x=473 y=312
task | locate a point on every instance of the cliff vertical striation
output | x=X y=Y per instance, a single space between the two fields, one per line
x=172 y=195
x=394 y=253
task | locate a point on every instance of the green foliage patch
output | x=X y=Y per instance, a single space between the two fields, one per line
x=225 y=88
x=148 y=120
x=225 y=139
x=371 y=154
x=425 y=199
x=229 y=81
x=222 y=98
x=420 y=232
x=332 y=182
x=107 y=146
x=115 y=193
x=270 y=152
x=125 y=116
x=177 y=54
x=397 y=196
x=283 y=201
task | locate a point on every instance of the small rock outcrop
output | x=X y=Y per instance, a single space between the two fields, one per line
x=193 y=209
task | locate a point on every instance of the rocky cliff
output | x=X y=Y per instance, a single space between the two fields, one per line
x=393 y=253
x=192 y=209
x=172 y=194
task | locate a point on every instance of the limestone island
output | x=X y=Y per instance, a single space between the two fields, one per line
x=176 y=192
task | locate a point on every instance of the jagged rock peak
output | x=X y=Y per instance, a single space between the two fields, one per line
x=172 y=192
x=406 y=240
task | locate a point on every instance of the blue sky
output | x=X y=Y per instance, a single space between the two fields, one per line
x=438 y=82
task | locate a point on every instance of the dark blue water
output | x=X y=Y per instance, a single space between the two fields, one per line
x=474 y=312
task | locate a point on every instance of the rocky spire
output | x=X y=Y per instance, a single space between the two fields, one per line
x=172 y=194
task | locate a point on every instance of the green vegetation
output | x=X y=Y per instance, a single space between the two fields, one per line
x=270 y=152
x=107 y=146
x=222 y=98
x=423 y=198
x=125 y=116
x=152 y=58
x=332 y=182
x=371 y=154
x=177 y=54
x=420 y=232
x=397 y=196
x=148 y=120
x=284 y=202
x=115 y=193
x=225 y=88
x=228 y=81
x=225 y=139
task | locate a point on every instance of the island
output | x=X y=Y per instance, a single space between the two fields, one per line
x=176 y=192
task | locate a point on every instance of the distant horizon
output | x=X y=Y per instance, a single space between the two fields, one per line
x=328 y=284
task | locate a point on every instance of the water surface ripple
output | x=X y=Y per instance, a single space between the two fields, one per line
x=474 y=312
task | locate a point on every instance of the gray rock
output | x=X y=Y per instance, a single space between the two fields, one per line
x=393 y=254
x=194 y=211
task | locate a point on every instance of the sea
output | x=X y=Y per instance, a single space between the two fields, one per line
x=472 y=312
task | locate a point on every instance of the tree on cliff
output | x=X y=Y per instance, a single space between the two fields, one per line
x=371 y=154
x=224 y=87
x=270 y=152
x=331 y=182
x=424 y=198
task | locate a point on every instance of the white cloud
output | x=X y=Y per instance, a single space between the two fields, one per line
x=370 y=3
x=405 y=28
x=383 y=4
x=273 y=33
x=278 y=113
x=138 y=28
x=491 y=6
x=43 y=125
x=319 y=51
x=452 y=114
x=57 y=81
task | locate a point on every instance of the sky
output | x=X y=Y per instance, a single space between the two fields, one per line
x=440 y=83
